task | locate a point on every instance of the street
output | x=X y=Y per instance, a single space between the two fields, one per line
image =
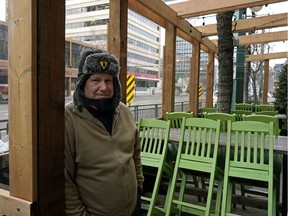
x=140 y=99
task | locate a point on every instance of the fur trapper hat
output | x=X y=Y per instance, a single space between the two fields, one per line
x=92 y=62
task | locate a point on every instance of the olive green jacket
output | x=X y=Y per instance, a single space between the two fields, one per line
x=102 y=171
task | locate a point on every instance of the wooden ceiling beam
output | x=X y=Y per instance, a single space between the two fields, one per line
x=249 y=58
x=194 y=8
x=164 y=12
x=246 y=25
x=260 y=38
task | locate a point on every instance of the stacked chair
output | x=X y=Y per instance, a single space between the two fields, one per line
x=244 y=106
x=264 y=107
x=277 y=160
x=246 y=162
x=154 y=136
x=224 y=118
x=270 y=113
x=242 y=109
x=197 y=155
x=205 y=110
x=176 y=119
x=240 y=113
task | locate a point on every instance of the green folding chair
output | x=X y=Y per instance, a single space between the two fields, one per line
x=246 y=162
x=265 y=119
x=244 y=106
x=176 y=118
x=239 y=114
x=154 y=136
x=197 y=155
x=277 y=159
x=270 y=113
x=264 y=107
x=223 y=117
x=205 y=110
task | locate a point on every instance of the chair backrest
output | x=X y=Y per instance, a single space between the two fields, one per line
x=176 y=118
x=239 y=114
x=265 y=119
x=270 y=113
x=199 y=143
x=154 y=137
x=244 y=106
x=205 y=110
x=250 y=139
x=223 y=117
x=264 y=107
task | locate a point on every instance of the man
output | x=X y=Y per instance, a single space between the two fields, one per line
x=103 y=171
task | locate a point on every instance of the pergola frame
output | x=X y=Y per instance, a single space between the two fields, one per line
x=36 y=87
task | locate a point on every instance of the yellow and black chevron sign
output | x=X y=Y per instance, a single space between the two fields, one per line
x=130 y=91
x=200 y=90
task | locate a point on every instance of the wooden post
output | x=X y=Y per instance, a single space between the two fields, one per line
x=168 y=88
x=36 y=107
x=194 y=77
x=117 y=38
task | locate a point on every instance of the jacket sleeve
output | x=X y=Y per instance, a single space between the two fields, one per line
x=137 y=161
x=73 y=203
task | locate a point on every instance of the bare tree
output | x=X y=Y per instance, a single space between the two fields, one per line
x=225 y=58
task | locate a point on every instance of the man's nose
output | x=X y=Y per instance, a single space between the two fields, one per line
x=103 y=85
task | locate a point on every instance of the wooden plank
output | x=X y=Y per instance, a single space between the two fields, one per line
x=10 y=205
x=22 y=102
x=193 y=8
x=168 y=87
x=194 y=78
x=117 y=40
x=249 y=58
x=246 y=25
x=262 y=38
x=48 y=96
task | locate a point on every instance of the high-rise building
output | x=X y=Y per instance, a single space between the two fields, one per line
x=87 y=21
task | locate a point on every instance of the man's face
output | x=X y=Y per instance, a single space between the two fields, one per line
x=99 y=86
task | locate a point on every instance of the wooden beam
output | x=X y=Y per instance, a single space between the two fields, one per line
x=262 y=38
x=117 y=40
x=142 y=10
x=10 y=205
x=194 y=8
x=165 y=12
x=22 y=82
x=48 y=93
x=246 y=25
x=168 y=87
x=194 y=78
x=36 y=51
x=249 y=58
